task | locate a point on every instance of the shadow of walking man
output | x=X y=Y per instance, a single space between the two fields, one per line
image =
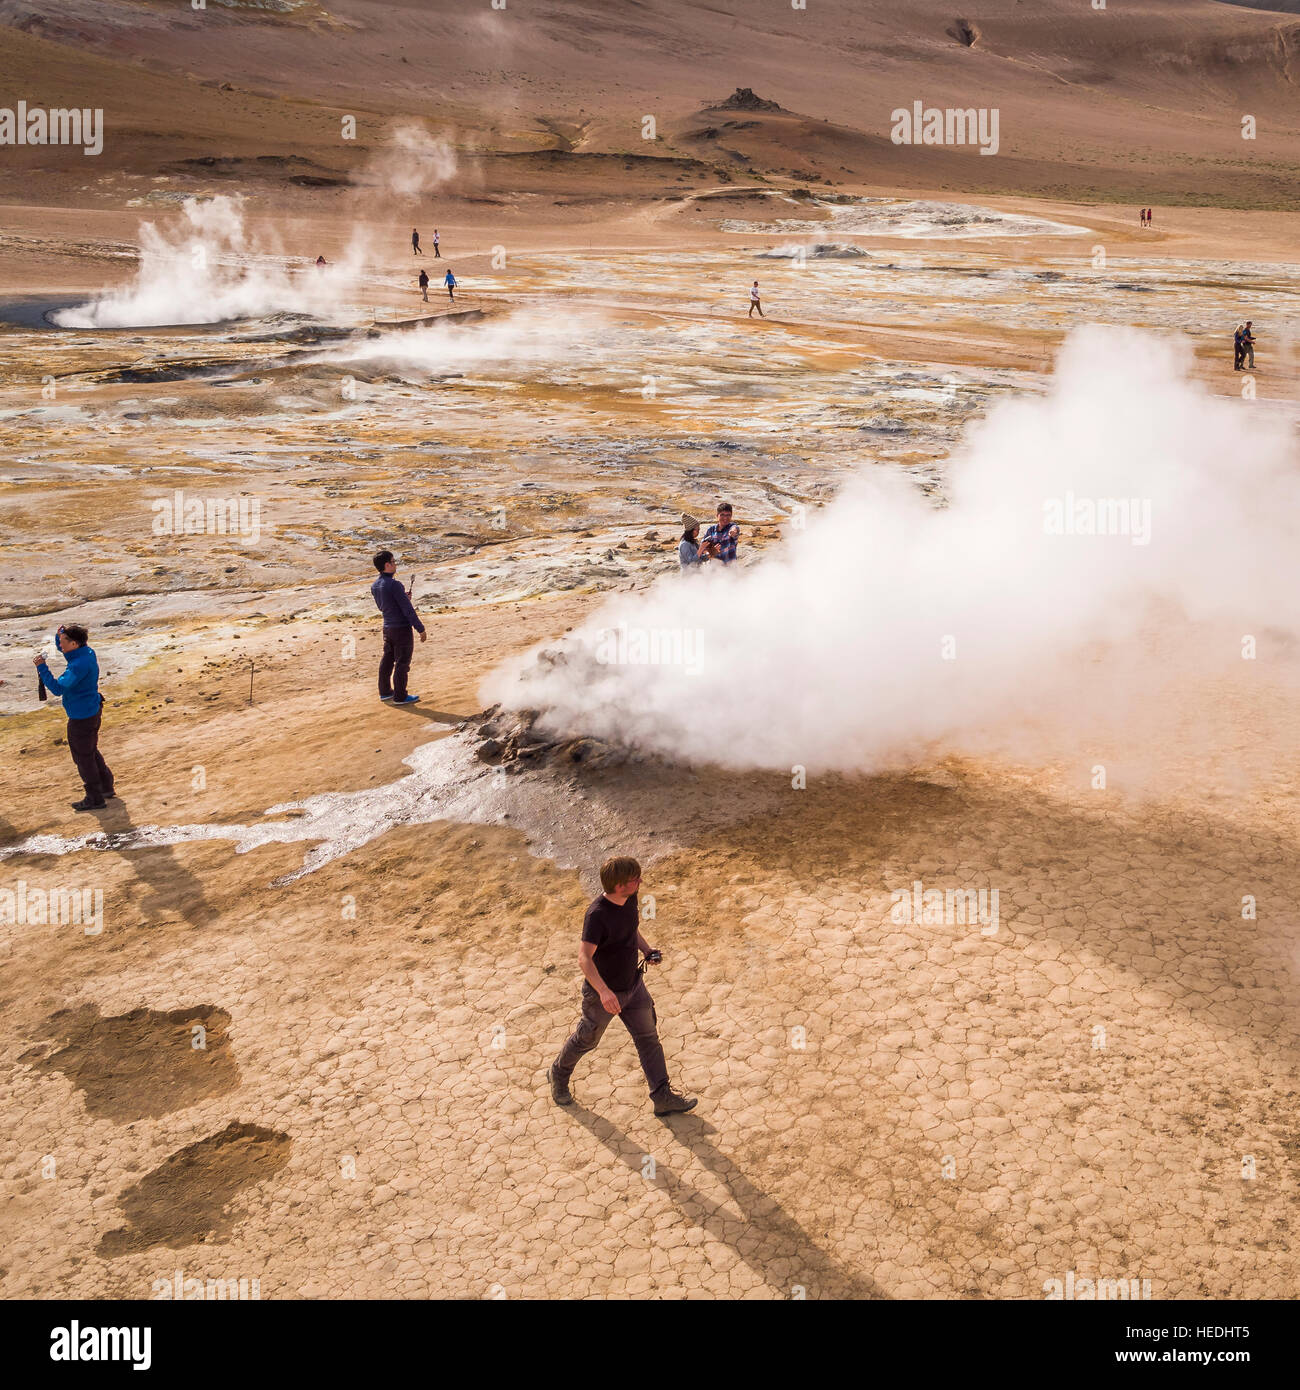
x=770 y=1235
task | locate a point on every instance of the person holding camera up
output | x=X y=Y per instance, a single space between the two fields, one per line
x=613 y=984
x=78 y=687
x=401 y=623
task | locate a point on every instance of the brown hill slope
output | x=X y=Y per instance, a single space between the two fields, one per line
x=1143 y=99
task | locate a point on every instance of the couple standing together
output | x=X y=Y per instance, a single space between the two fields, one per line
x=719 y=541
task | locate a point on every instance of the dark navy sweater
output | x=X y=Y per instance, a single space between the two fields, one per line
x=391 y=600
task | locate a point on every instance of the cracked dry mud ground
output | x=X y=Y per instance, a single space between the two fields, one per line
x=969 y=1115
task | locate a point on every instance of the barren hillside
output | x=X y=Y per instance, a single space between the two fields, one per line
x=1141 y=101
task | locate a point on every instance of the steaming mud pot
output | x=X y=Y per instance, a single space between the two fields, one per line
x=1070 y=533
x=561 y=815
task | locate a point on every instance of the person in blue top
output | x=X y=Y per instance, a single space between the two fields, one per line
x=450 y=281
x=78 y=688
x=401 y=622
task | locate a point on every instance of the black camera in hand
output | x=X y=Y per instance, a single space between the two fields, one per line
x=654 y=957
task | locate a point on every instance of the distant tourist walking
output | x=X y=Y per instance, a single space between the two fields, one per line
x=401 y=622
x=436 y=252
x=450 y=281
x=755 y=302
x=613 y=984
x=423 y=283
x=415 y=243
x=1237 y=353
x=78 y=687
x=1142 y=216
x=1148 y=217
x=1248 y=345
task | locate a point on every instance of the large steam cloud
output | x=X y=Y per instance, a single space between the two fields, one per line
x=207 y=268
x=889 y=627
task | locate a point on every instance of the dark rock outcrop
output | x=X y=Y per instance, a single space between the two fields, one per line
x=509 y=738
x=743 y=99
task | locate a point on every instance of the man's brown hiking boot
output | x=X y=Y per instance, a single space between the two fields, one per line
x=668 y=1102
x=560 y=1092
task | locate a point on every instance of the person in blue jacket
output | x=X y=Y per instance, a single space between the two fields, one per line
x=450 y=281
x=401 y=622
x=78 y=688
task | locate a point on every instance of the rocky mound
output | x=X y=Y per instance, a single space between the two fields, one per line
x=510 y=739
x=743 y=99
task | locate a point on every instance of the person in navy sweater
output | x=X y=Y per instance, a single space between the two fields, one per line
x=401 y=622
x=78 y=688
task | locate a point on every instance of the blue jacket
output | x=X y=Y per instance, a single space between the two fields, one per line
x=78 y=686
x=390 y=598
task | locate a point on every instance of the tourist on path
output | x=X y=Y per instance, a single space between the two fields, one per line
x=1248 y=346
x=612 y=984
x=78 y=688
x=401 y=622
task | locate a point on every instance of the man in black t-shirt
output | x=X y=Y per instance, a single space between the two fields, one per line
x=612 y=984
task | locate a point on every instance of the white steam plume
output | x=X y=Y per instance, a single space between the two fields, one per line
x=525 y=336
x=831 y=653
x=206 y=268
x=414 y=162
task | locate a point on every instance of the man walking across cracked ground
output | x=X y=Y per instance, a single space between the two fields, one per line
x=612 y=984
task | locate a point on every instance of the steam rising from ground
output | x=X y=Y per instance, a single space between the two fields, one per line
x=512 y=340
x=208 y=269
x=889 y=626
x=415 y=162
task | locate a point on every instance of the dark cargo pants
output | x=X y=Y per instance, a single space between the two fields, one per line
x=639 y=1018
x=83 y=744
x=395 y=664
